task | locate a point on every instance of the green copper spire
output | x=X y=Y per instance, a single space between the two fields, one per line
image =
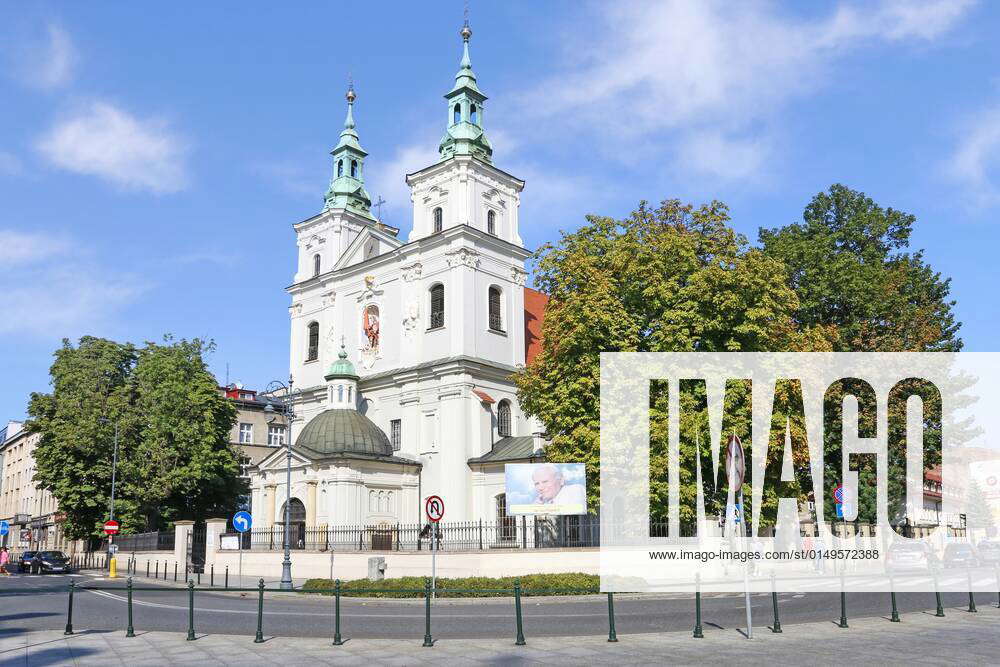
x=342 y=367
x=465 y=135
x=347 y=189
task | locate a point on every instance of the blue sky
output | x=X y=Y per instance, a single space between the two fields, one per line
x=153 y=159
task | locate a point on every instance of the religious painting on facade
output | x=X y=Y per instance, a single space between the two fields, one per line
x=371 y=326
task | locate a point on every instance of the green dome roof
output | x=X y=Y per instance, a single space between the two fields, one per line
x=344 y=432
x=342 y=367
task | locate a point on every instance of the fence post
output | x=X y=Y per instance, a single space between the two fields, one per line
x=259 y=639
x=698 y=634
x=612 y=635
x=480 y=534
x=130 y=631
x=776 y=628
x=190 y=636
x=337 y=640
x=69 y=611
x=524 y=532
x=428 y=640
x=517 y=612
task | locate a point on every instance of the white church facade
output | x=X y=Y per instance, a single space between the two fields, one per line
x=402 y=350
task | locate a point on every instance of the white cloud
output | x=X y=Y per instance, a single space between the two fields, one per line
x=683 y=75
x=17 y=248
x=51 y=289
x=102 y=140
x=44 y=61
x=975 y=164
x=293 y=178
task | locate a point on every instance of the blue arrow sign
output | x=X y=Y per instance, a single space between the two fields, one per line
x=242 y=522
x=4 y=528
x=840 y=510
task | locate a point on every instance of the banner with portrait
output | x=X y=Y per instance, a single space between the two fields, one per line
x=545 y=488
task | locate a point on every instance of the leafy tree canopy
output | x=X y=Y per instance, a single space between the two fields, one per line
x=174 y=460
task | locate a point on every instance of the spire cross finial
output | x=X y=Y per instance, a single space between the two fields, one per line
x=466 y=31
x=378 y=205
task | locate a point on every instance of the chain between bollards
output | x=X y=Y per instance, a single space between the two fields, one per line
x=776 y=628
x=519 y=641
x=612 y=635
x=259 y=638
x=337 y=640
x=69 y=612
x=428 y=640
x=190 y=636
x=129 y=631
x=698 y=634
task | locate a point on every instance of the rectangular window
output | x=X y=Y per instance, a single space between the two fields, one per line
x=276 y=434
x=245 y=463
x=246 y=434
x=396 y=429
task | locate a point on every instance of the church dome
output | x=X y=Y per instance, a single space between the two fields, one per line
x=342 y=367
x=344 y=432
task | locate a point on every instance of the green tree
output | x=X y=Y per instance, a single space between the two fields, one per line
x=175 y=460
x=670 y=278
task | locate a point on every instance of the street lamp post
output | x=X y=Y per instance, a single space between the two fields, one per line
x=287 y=410
x=114 y=479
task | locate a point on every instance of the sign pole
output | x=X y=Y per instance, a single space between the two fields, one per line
x=434 y=548
x=434 y=507
x=241 y=560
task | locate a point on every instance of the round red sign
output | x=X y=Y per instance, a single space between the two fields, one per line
x=434 y=507
x=111 y=527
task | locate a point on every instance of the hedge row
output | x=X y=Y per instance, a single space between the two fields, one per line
x=569 y=583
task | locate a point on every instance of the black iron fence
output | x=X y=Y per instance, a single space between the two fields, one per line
x=162 y=540
x=510 y=533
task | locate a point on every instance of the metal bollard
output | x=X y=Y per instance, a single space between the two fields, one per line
x=259 y=639
x=190 y=636
x=776 y=628
x=147 y=568
x=157 y=570
x=199 y=577
x=517 y=613
x=175 y=571
x=698 y=634
x=211 y=579
x=227 y=576
x=939 y=612
x=972 y=599
x=337 y=640
x=895 y=612
x=843 y=603
x=612 y=635
x=69 y=612
x=129 y=631
x=428 y=640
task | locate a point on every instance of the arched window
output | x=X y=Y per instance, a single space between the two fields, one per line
x=506 y=525
x=457 y=116
x=491 y=222
x=317 y=264
x=340 y=168
x=503 y=418
x=496 y=321
x=438 y=219
x=437 y=306
x=473 y=116
x=312 y=347
x=350 y=394
x=340 y=393
x=354 y=168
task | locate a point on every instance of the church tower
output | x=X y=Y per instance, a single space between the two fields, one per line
x=347 y=187
x=464 y=187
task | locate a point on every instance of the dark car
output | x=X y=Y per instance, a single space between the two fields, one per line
x=910 y=556
x=989 y=552
x=51 y=561
x=959 y=554
x=28 y=561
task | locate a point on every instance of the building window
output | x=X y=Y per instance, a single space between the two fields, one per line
x=340 y=168
x=437 y=306
x=245 y=463
x=354 y=168
x=457 y=114
x=276 y=434
x=438 y=219
x=503 y=418
x=246 y=434
x=473 y=115
x=496 y=324
x=506 y=525
x=312 y=351
x=491 y=222
x=317 y=264
x=396 y=431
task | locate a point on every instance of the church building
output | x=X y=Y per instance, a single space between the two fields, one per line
x=402 y=349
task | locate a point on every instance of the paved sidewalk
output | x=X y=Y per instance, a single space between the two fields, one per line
x=920 y=638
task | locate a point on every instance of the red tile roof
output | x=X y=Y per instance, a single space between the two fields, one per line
x=534 y=313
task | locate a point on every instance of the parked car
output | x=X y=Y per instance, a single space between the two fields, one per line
x=989 y=552
x=27 y=561
x=959 y=554
x=51 y=561
x=910 y=556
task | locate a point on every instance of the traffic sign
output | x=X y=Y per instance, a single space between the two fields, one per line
x=242 y=522
x=111 y=527
x=838 y=493
x=735 y=462
x=840 y=509
x=435 y=508
x=4 y=528
x=737 y=513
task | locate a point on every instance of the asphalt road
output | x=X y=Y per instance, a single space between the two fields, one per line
x=39 y=602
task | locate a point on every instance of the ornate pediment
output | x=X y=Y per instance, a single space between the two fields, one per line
x=462 y=257
x=412 y=272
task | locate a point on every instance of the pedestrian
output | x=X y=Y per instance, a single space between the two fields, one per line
x=4 y=559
